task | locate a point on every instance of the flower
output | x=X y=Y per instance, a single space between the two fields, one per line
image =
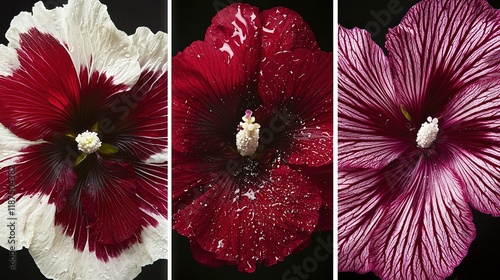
x=418 y=140
x=83 y=152
x=252 y=118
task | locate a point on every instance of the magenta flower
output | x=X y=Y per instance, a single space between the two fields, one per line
x=418 y=140
x=252 y=118
x=83 y=150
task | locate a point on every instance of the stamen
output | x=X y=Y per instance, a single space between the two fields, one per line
x=427 y=133
x=88 y=142
x=247 y=138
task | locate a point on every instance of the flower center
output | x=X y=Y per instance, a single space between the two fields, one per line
x=88 y=142
x=427 y=133
x=247 y=138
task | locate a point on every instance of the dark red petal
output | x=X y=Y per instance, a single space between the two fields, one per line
x=235 y=33
x=470 y=133
x=434 y=56
x=36 y=97
x=137 y=121
x=96 y=93
x=111 y=204
x=209 y=97
x=426 y=232
x=43 y=169
x=214 y=81
x=302 y=246
x=190 y=174
x=322 y=178
x=370 y=120
x=152 y=188
x=204 y=257
x=297 y=92
x=102 y=210
x=262 y=219
x=284 y=30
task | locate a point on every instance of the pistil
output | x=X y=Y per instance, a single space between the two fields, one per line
x=247 y=138
x=427 y=133
x=88 y=142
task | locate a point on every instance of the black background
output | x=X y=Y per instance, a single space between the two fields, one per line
x=127 y=16
x=190 y=19
x=483 y=258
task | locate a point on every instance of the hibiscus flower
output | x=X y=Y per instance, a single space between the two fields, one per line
x=252 y=117
x=83 y=151
x=418 y=140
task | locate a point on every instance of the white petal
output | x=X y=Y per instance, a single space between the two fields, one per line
x=152 y=49
x=10 y=146
x=8 y=60
x=29 y=218
x=86 y=29
x=160 y=157
x=55 y=255
x=42 y=19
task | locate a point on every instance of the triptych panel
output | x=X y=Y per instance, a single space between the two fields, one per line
x=258 y=139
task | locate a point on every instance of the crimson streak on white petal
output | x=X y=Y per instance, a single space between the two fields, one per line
x=56 y=256
x=434 y=56
x=427 y=231
x=369 y=113
x=472 y=130
x=91 y=38
x=362 y=196
x=480 y=175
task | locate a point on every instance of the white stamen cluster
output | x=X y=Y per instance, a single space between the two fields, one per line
x=88 y=142
x=427 y=133
x=247 y=139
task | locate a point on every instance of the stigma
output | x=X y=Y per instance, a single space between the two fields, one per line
x=88 y=142
x=247 y=138
x=427 y=133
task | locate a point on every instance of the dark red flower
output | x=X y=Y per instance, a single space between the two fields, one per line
x=252 y=118
x=83 y=127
